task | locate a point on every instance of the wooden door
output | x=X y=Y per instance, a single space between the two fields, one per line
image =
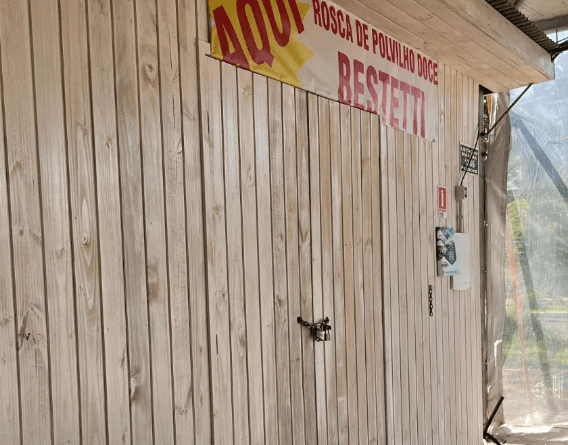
x=292 y=214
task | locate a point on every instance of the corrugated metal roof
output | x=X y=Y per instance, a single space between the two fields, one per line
x=524 y=24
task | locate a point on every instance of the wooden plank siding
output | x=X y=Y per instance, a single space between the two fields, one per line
x=165 y=218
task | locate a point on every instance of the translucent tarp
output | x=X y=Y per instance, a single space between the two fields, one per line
x=533 y=347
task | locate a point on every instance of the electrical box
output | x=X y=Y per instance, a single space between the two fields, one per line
x=462 y=279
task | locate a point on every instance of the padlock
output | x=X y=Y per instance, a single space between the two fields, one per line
x=327 y=336
x=320 y=336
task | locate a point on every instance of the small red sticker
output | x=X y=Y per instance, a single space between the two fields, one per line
x=442 y=199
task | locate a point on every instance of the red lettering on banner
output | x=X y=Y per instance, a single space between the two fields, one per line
x=316 y=9
x=423 y=115
x=333 y=20
x=416 y=93
x=382 y=45
x=372 y=80
x=394 y=102
x=282 y=38
x=412 y=62
x=355 y=88
x=385 y=79
x=227 y=35
x=405 y=88
x=375 y=35
x=362 y=35
x=344 y=92
x=359 y=32
x=340 y=19
x=406 y=58
x=435 y=74
x=358 y=87
x=297 y=16
x=325 y=15
x=391 y=55
x=259 y=55
x=349 y=35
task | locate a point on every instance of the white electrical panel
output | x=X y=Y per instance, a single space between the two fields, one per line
x=462 y=280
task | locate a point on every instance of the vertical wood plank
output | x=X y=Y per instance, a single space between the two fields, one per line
x=267 y=311
x=279 y=261
x=463 y=97
x=155 y=217
x=437 y=297
x=458 y=136
x=475 y=268
x=9 y=384
x=410 y=294
x=172 y=372
x=454 y=325
x=133 y=221
x=463 y=296
x=339 y=140
x=431 y=209
x=332 y=270
x=84 y=219
x=475 y=261
x=316 y=260
x=202 y=18
x=440 y=282
x=377 y=279
x=292 y=258
x=418 y=290
x=402 y=286
x=432 y=221
x=468 y=130
x=305 y=252
x=350 y=321
x=394 y=286
x=212 y=131
x=443 y=164
x=250 y=255
x=108 y=200
x=370 y=297
x=196 y=388
x=359 y=297
x=237 y=322
x=425 y=178
x=50 y=117
x=386 y=288
x=26 y=216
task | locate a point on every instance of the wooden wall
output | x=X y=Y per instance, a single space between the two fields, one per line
x=103 y=332
x=159 y=236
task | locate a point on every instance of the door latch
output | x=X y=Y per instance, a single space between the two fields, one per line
x=320 y=329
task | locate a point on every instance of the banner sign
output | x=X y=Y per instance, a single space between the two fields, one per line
x=322 y=48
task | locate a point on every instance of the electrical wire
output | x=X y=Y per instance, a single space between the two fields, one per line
x=471 y=155
x=491 y=129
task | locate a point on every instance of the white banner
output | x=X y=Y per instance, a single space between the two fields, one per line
x=324 y=49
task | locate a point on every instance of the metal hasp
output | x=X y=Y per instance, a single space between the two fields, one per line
x=486 y=435
x=320 y=330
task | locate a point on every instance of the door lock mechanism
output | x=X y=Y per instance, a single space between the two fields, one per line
x=320 y=329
